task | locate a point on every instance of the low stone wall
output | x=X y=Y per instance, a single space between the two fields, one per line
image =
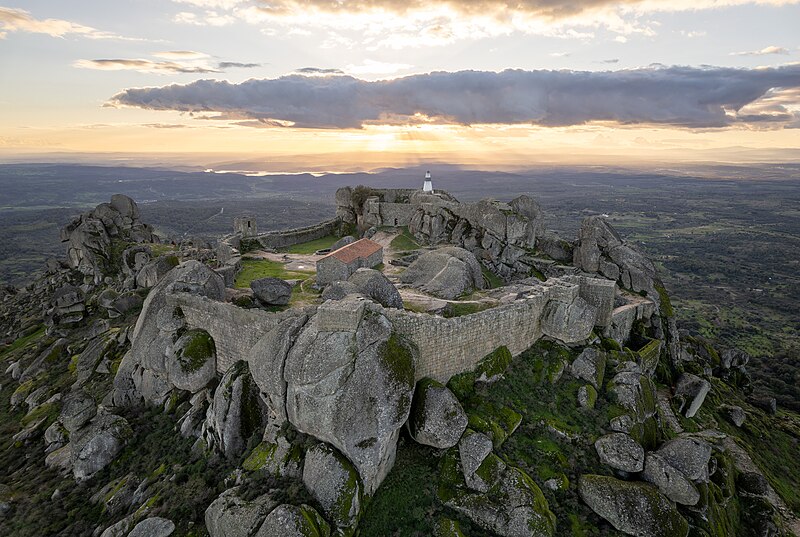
x=456 y=345
x=235 y=330
x=290 y=237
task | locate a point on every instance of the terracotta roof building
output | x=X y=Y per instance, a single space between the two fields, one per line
x=342 y=263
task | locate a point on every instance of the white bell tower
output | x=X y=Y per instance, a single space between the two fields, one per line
x=428 y=186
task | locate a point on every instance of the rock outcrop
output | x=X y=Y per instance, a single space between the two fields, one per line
x=632 y=507
x=447 y=272
x=89 y=237
x=144 y=374
x=350 y=384
x=437 y=418
x=335 y=485
x=272 y=291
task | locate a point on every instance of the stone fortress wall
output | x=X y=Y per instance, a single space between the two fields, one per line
x=235 y=330
x=447 y=346
x=290 y=237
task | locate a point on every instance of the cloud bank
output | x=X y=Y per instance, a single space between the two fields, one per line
x=676 y=96
x=177 y=62
x=408 y=23
x=18 y=20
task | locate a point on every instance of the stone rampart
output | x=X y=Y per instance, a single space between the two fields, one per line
x=447 y=346
x=290 y=237
x=456 y=345
x=235 y=330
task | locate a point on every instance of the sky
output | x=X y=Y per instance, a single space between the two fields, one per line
x=293 y=84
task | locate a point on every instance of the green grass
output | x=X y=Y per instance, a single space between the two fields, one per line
x=312 y=246
x=253 y=269
x=458 y=309
x=23 y=341
x=492 y=280
x=404 y=242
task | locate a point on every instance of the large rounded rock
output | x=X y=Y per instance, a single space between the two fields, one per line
x=153 y=527
x=350 y=382
x=78 y=409
x=235 y=413
x=374 y=285
x=447 y=272
x=437 y=418
x=691 y=391
x=672 y=483
x=294 y=521
x=272 y=291
x=193 y=361
x=231 y=516
x=335 y=485
x=590 y=365
x=689 y=455
x=144 y=372
x=568 y=322
x=96 y=445
x=621 y=452
x=632 y=507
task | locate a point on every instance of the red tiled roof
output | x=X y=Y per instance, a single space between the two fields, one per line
x=362 y=248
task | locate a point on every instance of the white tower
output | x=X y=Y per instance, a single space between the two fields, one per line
x=428 y=186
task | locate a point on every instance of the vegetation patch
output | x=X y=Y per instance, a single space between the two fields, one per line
x=254 y=269
x=404 y=242
x=307 y=248
x=197 y=351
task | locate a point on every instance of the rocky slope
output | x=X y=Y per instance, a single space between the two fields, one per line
x=117 y=420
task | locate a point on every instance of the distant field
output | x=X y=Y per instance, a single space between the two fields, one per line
x=727 y=248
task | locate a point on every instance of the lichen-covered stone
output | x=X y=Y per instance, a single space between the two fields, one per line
x=473 y=449
x=235 y=413
x=272 y=291
x=97 y=444
x=590 y=365
x=437 y=418
x=568 y=322
x=374 y=285
x=621 y=452
x=352 y=389
x=335 y=484
x=689 y=455
x=447 y=272
x=230 y=516
x=192 y=364
x=143 y=374
x=672 y=483
x=153 y=527
x=587 y=396
x=635 y=508
x=294 y=521
x=691 y=391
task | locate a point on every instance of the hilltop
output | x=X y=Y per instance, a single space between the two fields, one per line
x=481 y=376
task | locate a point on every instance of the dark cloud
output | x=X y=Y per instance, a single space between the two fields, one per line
x=237 y=65
x=676 y=96
x=318 y=71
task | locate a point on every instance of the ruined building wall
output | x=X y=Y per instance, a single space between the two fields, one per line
x=290 y=237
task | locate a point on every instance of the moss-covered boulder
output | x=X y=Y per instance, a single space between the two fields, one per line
x=632 y=507
x=280 y=458
x=512 y=506
x=590 y=365
x=447 y=527
x=335 y=484
x=193 y=361
x=437 y=418
x=294 y=521
x=496 y=422
x=235 y=413
x=231 y=516
x=350 y=382
x=493 y=365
